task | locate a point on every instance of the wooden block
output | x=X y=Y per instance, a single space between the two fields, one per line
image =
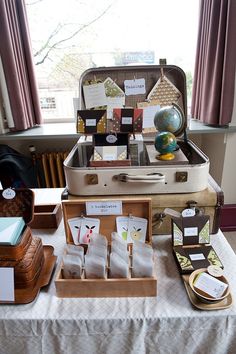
x=180 y=158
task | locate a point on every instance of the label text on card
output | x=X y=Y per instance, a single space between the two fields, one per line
x=104 y=208
x=190 y=231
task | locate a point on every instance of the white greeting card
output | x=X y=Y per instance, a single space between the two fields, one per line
x=210 y=285
x=75 y=226
x=135 y=87
x=89 y=226
x=94 y=95
x=122 y=226
x=137 y=229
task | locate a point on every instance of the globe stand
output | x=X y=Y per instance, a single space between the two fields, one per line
x=166 y=157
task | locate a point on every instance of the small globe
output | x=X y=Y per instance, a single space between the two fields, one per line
x=165 y=142
x=169 y=118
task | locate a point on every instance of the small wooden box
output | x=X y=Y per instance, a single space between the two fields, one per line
x=46 y=216
x=125 y=287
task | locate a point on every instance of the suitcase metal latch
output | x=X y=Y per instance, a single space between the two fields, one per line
x=92 y=178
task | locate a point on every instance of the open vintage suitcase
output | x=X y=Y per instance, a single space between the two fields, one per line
x=140 y=177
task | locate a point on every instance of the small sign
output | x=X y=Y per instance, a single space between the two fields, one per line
x=104 y=208
x=188 y=213
x=7 y=291
x=8 y=193
x=135 y=87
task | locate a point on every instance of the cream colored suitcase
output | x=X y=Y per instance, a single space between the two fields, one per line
x=141 y=177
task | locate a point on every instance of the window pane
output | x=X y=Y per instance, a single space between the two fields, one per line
x=70 y=36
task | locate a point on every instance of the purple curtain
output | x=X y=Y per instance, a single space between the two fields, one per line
x=16 y=55
x=214 y=76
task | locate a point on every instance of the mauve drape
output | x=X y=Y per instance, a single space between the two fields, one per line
x=214 y=76
x=16 y=55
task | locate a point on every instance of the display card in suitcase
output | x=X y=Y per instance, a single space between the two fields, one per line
x=131 y=97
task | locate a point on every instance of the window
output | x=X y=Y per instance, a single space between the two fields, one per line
x=70 y=36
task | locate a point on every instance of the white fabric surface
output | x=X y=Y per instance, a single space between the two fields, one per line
x=164 y=324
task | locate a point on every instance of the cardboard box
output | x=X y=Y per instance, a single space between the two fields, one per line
x=125 y=287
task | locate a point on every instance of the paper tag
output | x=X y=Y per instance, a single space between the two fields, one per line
x=197 y=257
x=127 y=120
x=8 y=193
x=90 y=122
x=172 y=212
x=7 y=291
x=190 y=231
x=210 y=285
x=135 y=87
x=104 y=208
x=188 y=213
x=111 y=138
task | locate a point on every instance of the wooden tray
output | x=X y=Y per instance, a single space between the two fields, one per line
x=24 y=296
x=224 y=304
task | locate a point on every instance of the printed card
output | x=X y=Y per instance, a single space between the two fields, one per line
x=94 y=95
x=137 y=228
x=210 y=285
x=89 y=226
x=122 y=226
x=75 y=226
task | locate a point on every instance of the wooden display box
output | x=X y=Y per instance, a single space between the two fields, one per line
x=46 y=216
x=122 y=287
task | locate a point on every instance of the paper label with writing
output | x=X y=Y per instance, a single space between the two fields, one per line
x=8 y=193
x=135 y=87
x=188 y=213
x=127 y=120
x=95 y=95
x=90 y=122
x=210 y=285
x=190 y=231
x=197 y=257
x=104 y=208
x=7 y=291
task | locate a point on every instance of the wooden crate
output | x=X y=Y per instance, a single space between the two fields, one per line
x=125 y=287
x=46 y=216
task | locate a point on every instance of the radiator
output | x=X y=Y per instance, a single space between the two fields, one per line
x=50 y=171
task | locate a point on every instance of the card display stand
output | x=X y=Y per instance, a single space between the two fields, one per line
x=108 y=287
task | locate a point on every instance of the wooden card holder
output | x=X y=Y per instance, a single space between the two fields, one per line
x=46 y=216
x=108 y=287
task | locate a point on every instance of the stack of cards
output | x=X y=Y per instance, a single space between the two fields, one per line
x=11 y=230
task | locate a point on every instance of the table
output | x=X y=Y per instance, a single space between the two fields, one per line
x=164 y=324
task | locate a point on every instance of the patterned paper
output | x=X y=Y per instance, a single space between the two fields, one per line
x=165 y=93
x=121 y=122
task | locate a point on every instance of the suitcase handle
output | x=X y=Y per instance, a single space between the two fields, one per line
x=150 y=178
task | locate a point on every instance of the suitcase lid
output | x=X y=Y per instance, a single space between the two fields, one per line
x=17 y=202
x=174 y=76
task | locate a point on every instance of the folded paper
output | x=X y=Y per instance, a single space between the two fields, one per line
x=192 y=258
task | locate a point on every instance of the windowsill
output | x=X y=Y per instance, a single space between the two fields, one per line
x=68 y=131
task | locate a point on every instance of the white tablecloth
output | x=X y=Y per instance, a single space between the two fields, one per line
x=164 y=324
